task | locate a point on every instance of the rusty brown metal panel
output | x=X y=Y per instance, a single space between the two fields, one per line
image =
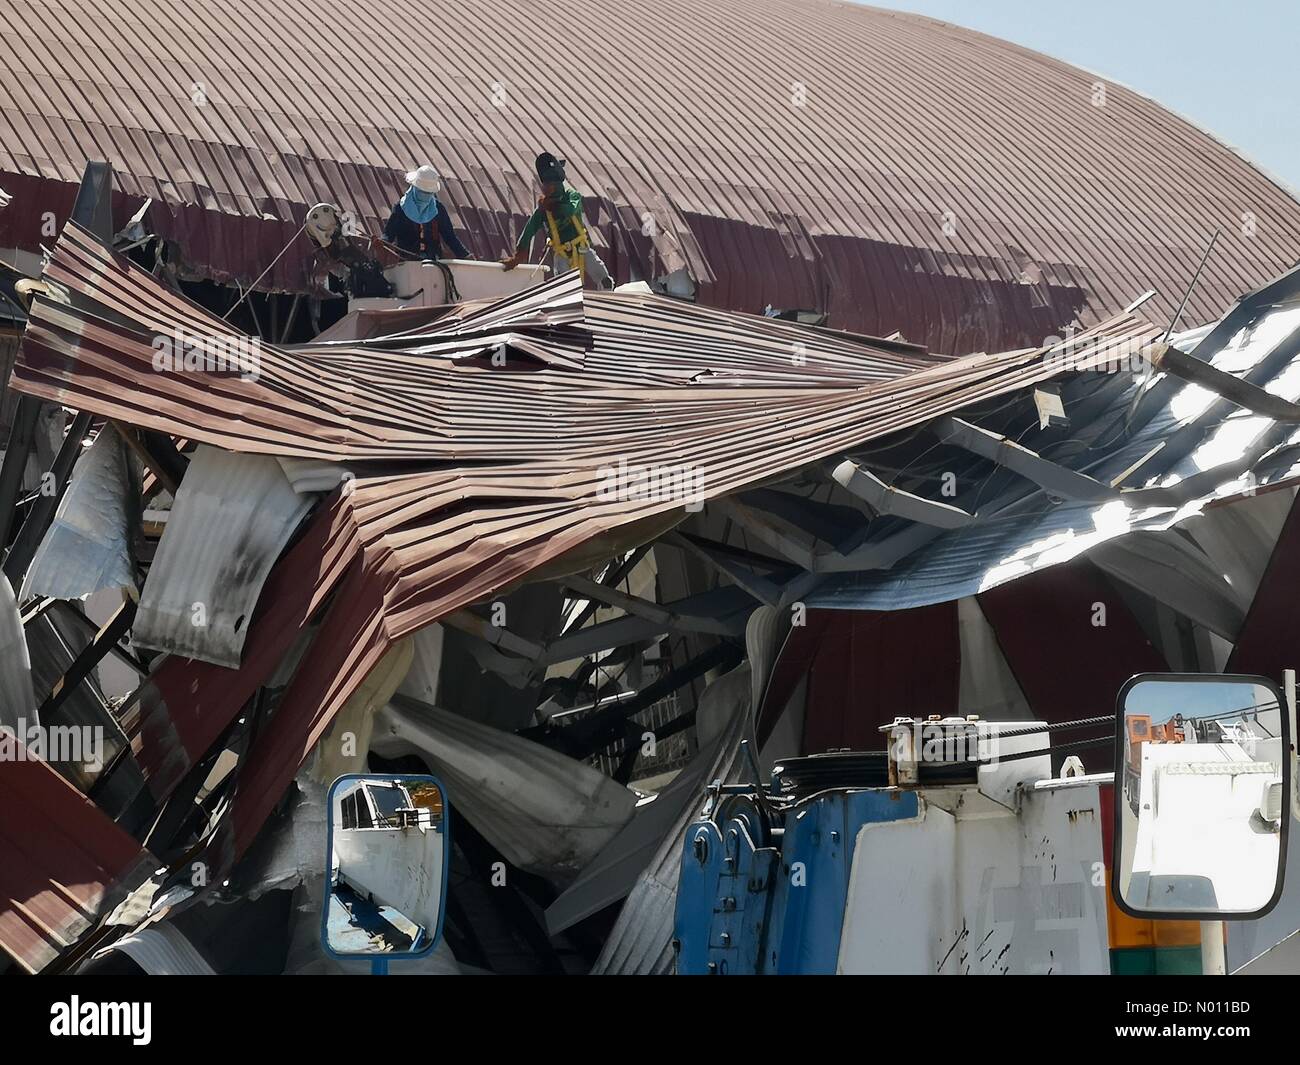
x=793 y=152
x=63 y=863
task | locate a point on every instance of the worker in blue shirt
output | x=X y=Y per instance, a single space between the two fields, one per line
x=419 y=224
x=559 y=216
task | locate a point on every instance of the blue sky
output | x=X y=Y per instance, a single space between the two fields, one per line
x=1229 y=67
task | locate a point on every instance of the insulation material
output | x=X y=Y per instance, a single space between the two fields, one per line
x=1174 y=571
x=545 y=812
x=46 y=442
x=292 y=849
x=988 y=689
x=308 y=476
x=232 y=516
x=88 y=545
x=1238 y=537
x=344 y=748
x=161 y=950
x=17 y=698
x=612 y=874
x=421 y=680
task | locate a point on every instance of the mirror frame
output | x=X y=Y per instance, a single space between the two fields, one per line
x=445 y=831
x=1117 y=797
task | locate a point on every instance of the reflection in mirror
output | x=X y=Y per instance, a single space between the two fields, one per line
x=1201 y=815
x=386 y=881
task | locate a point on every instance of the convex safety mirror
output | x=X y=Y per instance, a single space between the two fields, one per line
x=386 y=884
x=1202 y=796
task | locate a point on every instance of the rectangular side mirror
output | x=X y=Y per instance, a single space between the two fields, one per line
x=386 y=882
x=1202 y=796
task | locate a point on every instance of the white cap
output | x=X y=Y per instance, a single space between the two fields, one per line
x=425 y=179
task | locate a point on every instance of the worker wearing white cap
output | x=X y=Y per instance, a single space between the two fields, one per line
x=419 y=223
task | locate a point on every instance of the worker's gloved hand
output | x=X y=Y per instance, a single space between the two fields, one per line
x=510 y=261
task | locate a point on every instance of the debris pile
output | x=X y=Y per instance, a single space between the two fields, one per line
x=520 y=543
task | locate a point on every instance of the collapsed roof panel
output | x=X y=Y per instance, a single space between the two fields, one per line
x=66 y=864
x=1157 y=473
x=590 y=388
x=88 y=545
x=231 y=518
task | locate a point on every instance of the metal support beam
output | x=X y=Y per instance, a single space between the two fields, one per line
x=884 y=499
x=828 y=522
x=91 y=655
x=1055 y=478
x=721 y=611
x=671 y=620
x=729 y=607
x=793 y=543
x=496 y=635
x=21 y=434
x=1244 y=394
x=606 y=725
x=614 y=577
x=42 y=513
x=761 y=588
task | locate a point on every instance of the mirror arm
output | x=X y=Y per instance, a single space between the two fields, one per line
x=1288 y=689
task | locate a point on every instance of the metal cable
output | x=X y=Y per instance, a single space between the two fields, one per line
x=1059 y=726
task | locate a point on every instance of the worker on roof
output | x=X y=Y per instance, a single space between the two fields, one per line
x=419 y=223
x=559 y=210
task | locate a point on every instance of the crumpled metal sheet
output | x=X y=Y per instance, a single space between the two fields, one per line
x=64 y=866
x=17 y=698
x=311 y=475
x=344 y=747
x=161 y=950
x=88 y=545
x=979 y=557
x=641 y=939
x=545 y=812
x=613 y=873
x=232 y=516
x=488 y=480
x=46 y=441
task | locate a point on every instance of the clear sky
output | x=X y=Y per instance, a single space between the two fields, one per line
x=1230 y=67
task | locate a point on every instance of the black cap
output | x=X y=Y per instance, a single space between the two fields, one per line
x=549 y=168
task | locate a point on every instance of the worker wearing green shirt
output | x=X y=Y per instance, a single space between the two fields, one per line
x=559 y=216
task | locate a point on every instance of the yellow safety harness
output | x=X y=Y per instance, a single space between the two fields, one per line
x=571 y=250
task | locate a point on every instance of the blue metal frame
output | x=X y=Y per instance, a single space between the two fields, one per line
x=379 y=966
x=737 y=910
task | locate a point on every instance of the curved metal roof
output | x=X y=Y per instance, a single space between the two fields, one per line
x=899 y=172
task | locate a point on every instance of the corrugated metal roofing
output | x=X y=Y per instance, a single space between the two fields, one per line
x=1003 y=548
x=65 y=863
x=471 y=478
x=898 y=172
x=231 y=519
